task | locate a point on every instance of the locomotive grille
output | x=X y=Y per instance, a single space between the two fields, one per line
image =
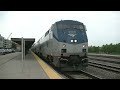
x=63 y=50
x=83 y=50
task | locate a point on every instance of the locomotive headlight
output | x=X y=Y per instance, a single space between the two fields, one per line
x=75 y=40
x=83 y=45
x=71 y=40
x=64 y=45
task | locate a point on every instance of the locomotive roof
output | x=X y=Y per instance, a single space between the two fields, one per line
x=69 y=22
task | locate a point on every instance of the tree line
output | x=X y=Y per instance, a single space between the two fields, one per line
x=107 y=49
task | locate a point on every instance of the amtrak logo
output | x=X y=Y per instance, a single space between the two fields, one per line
x=72 y=35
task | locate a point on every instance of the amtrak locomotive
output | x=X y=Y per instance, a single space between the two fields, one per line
x=65 y=41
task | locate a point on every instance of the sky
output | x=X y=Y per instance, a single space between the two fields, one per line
x=102 y=26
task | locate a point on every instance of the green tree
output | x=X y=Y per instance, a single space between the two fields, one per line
x=109 y=49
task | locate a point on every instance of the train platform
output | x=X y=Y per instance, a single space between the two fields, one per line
x=13 y=67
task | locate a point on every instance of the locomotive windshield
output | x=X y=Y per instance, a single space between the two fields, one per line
x=65 y=26
x=71 y=32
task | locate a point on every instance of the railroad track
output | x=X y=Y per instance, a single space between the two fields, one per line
x=70 y=74
x=81 y=75
x=109 y=56
x=106 y=64
x=106 y=67
x=111 y=61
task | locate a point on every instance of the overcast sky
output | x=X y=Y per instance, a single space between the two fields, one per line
x=103 y=27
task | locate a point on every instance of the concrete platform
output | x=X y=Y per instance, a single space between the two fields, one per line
x=12 y=67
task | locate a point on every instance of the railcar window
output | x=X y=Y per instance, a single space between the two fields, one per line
x=40 y=48
x=46 y=33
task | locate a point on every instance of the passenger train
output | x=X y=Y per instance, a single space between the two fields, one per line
x=65 y=42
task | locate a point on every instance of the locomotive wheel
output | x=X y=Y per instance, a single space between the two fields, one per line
x=49 y=59
x=85 y=62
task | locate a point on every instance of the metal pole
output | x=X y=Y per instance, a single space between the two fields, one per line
x=22 y=53
x=22 y=48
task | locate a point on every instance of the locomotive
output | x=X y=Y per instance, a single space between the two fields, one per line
x=65 y=42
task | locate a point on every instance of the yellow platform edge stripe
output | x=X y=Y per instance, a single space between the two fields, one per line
x=52 y=74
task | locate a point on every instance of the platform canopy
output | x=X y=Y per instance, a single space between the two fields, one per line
x=28 y=42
